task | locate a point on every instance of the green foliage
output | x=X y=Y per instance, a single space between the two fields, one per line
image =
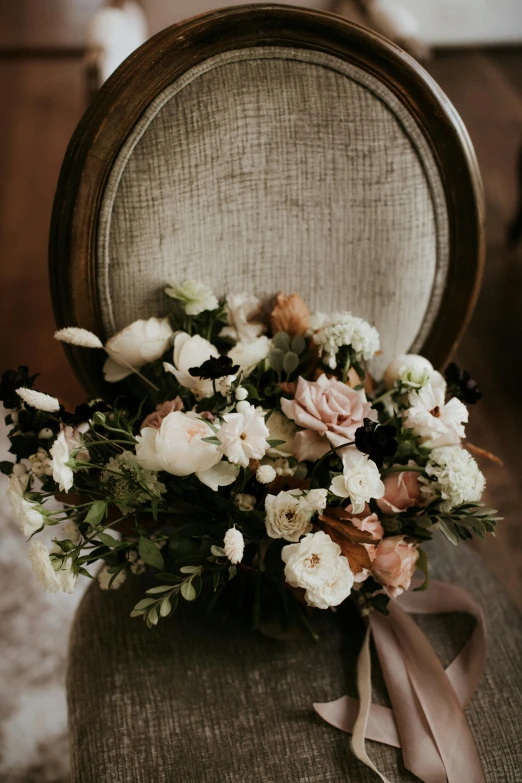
x=150 y=553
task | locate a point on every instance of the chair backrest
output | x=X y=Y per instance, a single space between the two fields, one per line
x=268 y=148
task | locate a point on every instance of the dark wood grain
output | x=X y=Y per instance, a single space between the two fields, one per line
x=127 y=94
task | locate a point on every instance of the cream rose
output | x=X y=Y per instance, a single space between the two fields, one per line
x=138 y=344
x=360 y=480
x=317 y=565
x=288 y=515
x=329 y=411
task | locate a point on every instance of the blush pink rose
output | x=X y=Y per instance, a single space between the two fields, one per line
x=394 y=564
x=154 y=419
x=367 y=522
x=401 y=491
x=329 y=411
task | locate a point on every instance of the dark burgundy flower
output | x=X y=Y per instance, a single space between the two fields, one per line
x=378 y=442
x=13 y=380
x=83 y=412
x=461 y=384
x=214 y=368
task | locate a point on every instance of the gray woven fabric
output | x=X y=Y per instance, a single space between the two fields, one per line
x=197 y=701
x=278 y=169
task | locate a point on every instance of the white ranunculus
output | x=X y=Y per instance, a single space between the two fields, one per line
x=62 y=473
x=413 y=370
x=240 y=309
x=281 y=428
x=243 y=436
x=138 y=344
x=234 y=545
x=178 y=446
x=249 y=354
x=192 y=352
x=317 y=565
x=436 y=422
x=195 y=297
x=25 y=513
x=458 y=478
x=360 y=480
x=288 y=515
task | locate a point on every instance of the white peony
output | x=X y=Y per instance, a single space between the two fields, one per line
x=195 y=297
x=436 y=422
x=192 y=352
x=178 y=446
x=458 y=478
x=243 y=436
x=138 y=344
x=234 y=545
x=249 y=354
x=240 y=309
x=360 y=480
x=60 y=453
x=317 y=565
x=288 y=515
x=414 y=371
x=54 y=575
x=220 y=475
x=346 y=329
x=281 y=428
x=28 y=516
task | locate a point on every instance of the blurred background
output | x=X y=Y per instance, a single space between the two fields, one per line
x=54 y=54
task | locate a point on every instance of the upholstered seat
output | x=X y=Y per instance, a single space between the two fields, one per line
x=265 y=149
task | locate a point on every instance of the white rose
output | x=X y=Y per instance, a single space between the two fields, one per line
x=62 y=473
x=249 y=354
x=243 y=436
x=192 y=352
x=281 y=428
x=138 y=344
x=316 y=499
x=178 y=446
x=25 y=513
x=360 y=480
x=55 y=575
x=240 y=309
x=316 y=565
x=288 y=515
x=196 y=297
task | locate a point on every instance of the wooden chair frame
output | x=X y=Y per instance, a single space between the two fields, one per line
x=148 y=71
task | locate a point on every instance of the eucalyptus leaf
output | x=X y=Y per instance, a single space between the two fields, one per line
x=298 y=344
x=290 y=362
x=276 y=358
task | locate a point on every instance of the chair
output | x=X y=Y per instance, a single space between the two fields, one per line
x=266 y=148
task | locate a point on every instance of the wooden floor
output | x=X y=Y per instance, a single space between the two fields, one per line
x=42 y=100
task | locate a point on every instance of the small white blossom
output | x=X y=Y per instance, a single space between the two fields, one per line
x=240 y=393
x=45 y=433
x=265 y=474
x=458 y=478
x=104 y=577
x=346 y=329
x=39 y=400
x=19 y=470
x=195 y=297
x=244 y=502
x=317 y=565
x=62 y=473
x=360 y=480
x=234 y=545
x=242 y=406
x=243 y=436
x=437 y=422
x=27 y=514
x=74 y=335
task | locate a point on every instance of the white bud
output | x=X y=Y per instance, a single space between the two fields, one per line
x=242 y=406
x=234 y=545
x=45 y=433
x=19 y=470
x=38 y=468
x=48 y=466
x=265 y=474
x=241 y=393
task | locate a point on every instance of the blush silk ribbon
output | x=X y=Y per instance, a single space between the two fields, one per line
x=427 y=717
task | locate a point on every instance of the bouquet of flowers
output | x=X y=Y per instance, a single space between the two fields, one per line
x=245 y=446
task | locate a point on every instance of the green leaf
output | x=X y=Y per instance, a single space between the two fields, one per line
x=144 y=604
x=276 y=359
x=188 y=592
x=213 y=440
x=108 y=540
x=274 y=443
x=422 y=565
x=281 y=341
x=298 y=344
x=96 y=513
x=150 y=553
x=448 y=528
x=166 y=607
x=290 y=362
x=190 y=569
x=158 y=589
x=170 y=578
x=217 y=551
